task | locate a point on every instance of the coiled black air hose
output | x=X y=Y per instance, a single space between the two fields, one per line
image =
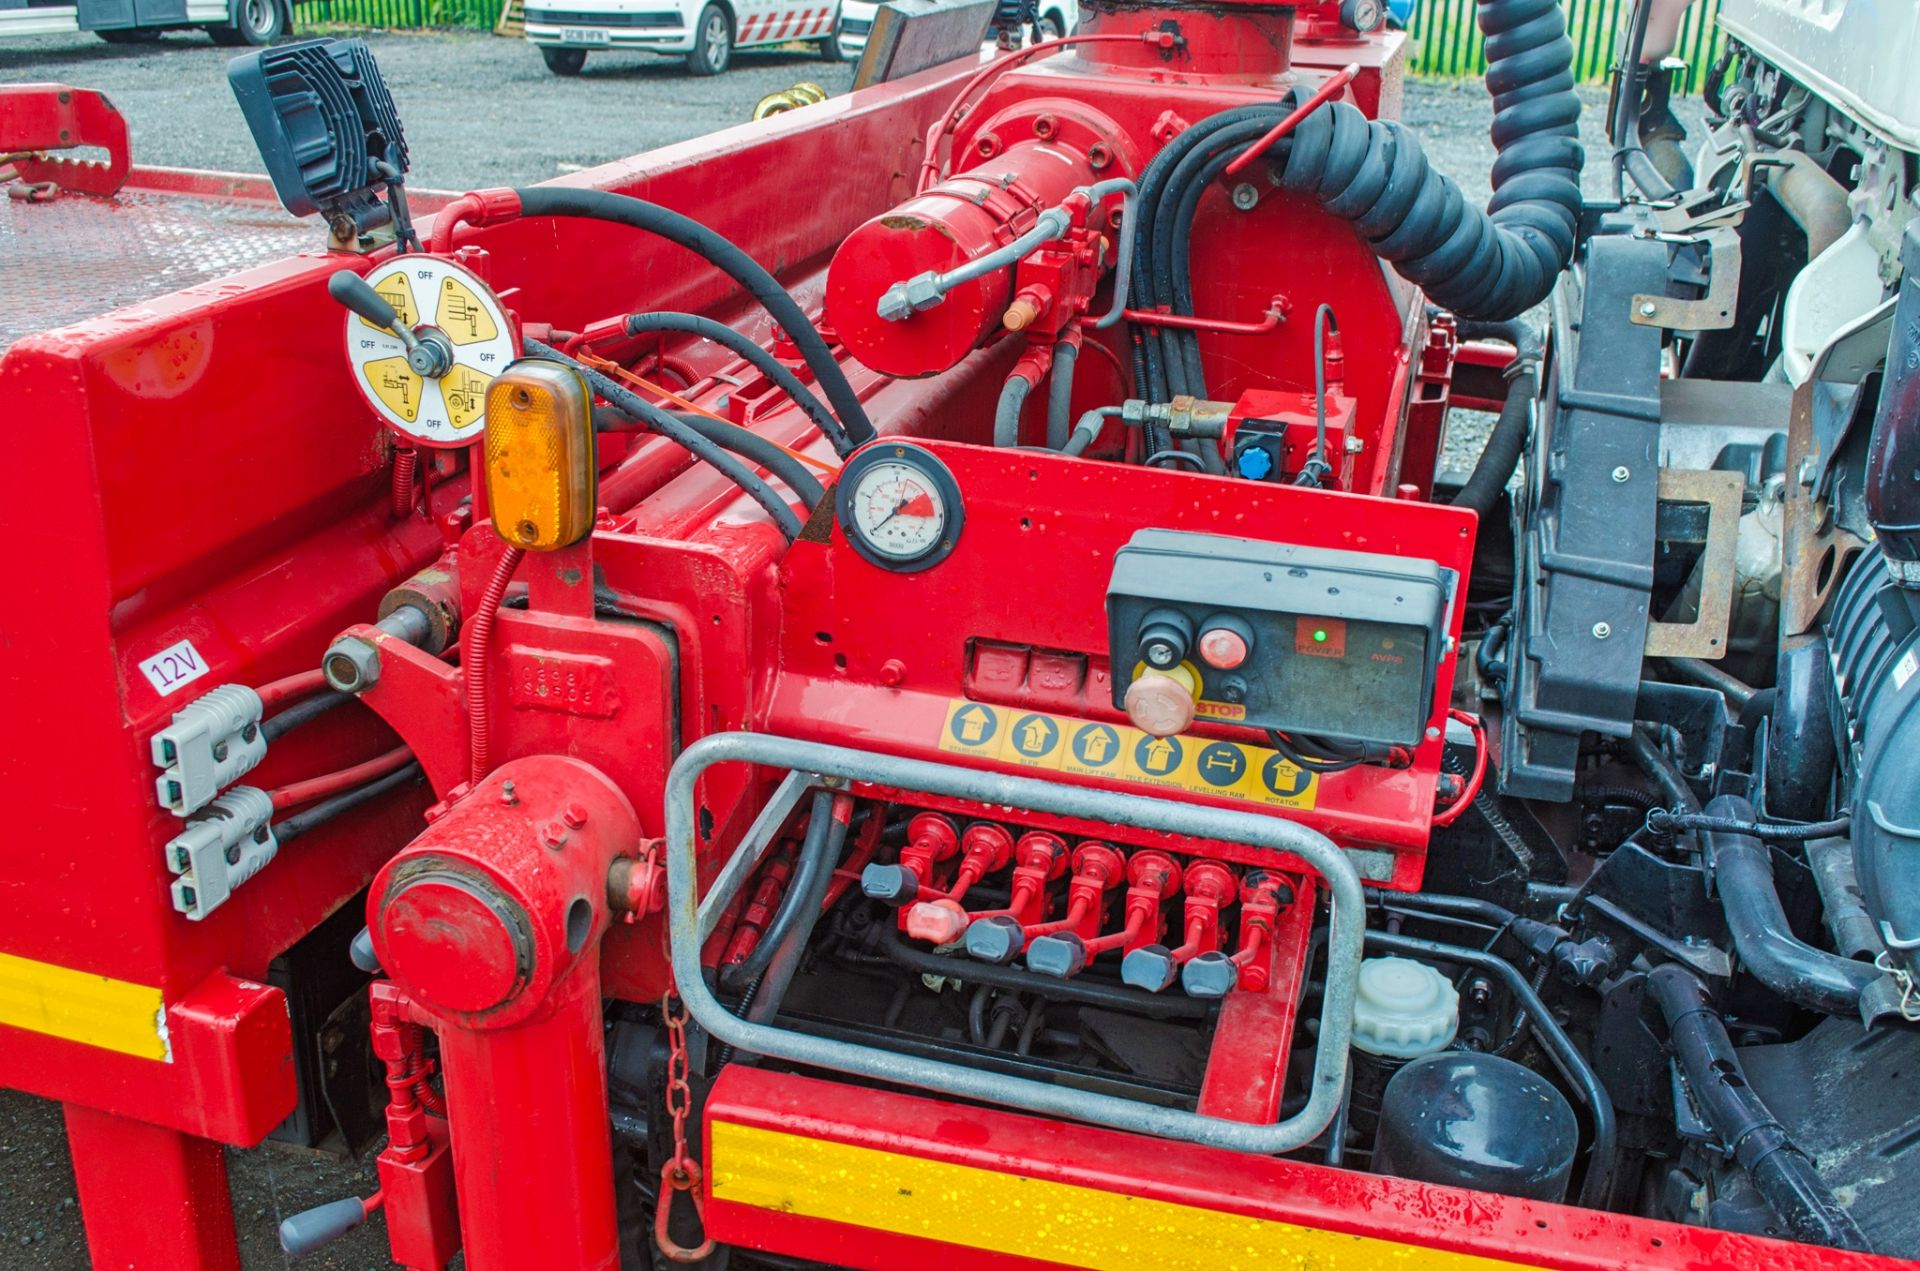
x=1496 y=263
x=621 y=209
x=1491 y=264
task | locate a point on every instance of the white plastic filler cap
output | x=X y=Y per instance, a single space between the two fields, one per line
x=1403 y=1009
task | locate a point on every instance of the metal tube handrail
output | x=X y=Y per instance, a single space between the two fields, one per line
x=1347 y=926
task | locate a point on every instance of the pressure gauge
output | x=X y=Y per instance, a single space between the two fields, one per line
x=899 y=506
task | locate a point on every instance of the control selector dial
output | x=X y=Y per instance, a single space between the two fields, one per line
x=1165 y=637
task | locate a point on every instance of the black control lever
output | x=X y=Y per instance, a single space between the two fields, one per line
x=430 y=354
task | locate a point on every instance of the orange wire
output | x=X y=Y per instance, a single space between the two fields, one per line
x=614 y=368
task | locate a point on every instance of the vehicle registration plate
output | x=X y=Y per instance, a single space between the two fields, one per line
x=584 y=35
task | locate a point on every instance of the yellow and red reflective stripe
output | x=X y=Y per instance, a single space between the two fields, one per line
x=1024 y=1217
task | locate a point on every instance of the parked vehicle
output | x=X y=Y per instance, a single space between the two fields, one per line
x=705 y=32
x=1057 y=18
x=233 y=22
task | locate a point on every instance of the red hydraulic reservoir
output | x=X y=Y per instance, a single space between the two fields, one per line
x=1030 y=160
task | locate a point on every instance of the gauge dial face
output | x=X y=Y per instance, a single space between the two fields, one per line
x=899 y=507
x=898 y=512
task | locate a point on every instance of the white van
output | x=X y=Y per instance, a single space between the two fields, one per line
x=1057 y=18
x=705 y=32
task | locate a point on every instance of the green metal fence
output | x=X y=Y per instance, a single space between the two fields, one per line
x=398 y=14
x=1447 y=39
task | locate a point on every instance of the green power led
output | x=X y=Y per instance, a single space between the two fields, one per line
x=1320 y=636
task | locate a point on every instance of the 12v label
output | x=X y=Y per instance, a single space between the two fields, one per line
x=1034 y=739
x=174 y=667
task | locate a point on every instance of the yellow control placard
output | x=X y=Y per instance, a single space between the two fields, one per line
x=395 y=383
x=1195 y=765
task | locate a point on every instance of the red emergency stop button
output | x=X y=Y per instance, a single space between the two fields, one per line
x=1225 y=643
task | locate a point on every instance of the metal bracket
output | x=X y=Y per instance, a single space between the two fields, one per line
x=1713 y=312
x=1345 y=941
x=1706 y=635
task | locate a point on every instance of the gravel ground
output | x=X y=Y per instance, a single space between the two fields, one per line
x=480 y=111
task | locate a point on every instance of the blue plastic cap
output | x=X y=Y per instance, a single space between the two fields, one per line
x=995 y=939
x=1254 y=463
x=1150 y=968
x=894 y=884
x=1209 y=975
x=1058 y=956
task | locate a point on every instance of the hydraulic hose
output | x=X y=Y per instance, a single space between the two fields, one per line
x=741 y=346
x=622 y=209
x=1804 y=975
x=1006 y=415
x=1781 y=1172
x=302 y=712
x=474 y=664
x=1509 y=436
x=320 y=813
x=1060 y=393
x=668 y=426
x=786 y=941
x=813 y=865
x=746 y=443
x=1496 y=263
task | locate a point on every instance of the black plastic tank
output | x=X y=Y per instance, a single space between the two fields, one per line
x=1476 y=1121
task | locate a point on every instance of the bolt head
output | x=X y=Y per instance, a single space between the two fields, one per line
x=351 y=665
x=1621 y=473
x=1245 y=196
x=1648 y=309
x=1602 y=630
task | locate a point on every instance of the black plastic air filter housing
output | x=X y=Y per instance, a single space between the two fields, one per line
x=325 y=123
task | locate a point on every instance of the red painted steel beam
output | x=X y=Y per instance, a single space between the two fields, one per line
x=152 y=1198
x=1331 y=1218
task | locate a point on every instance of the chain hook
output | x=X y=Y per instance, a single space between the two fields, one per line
x=681 y=1173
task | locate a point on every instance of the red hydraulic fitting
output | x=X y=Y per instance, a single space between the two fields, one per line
x=931 y=839
x=1214 y=974
x=481 y=207
x=1210 y=888
x=1096 y=869
x=984 y=848
x=416 y=1167
x=1151 y=878
x=758 y=912
x=1042 y=857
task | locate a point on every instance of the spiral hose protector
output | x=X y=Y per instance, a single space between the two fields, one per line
x=1492 y=264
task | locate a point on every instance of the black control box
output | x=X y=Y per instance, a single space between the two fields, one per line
x=1310 y=641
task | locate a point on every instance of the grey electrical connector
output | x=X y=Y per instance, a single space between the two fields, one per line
x=220 y=848
x=211 y=743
